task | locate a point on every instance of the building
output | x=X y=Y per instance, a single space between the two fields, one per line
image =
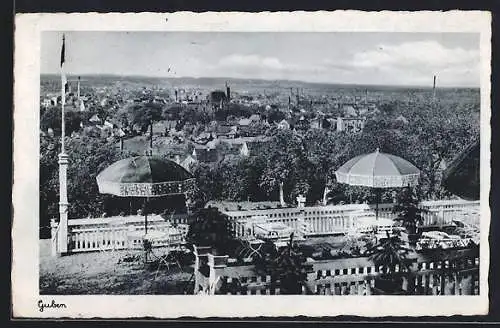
x=225 y=131
x=349 y=110
x=257 y=146
x=205 y=155
x=402 y=119
x=284 y=125
x=244 y=122
x=350 y=124
x=95 y=119
x=244 y=151
x=188 y=162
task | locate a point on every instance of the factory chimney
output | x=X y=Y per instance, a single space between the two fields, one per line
x=228 y=92
x=298 y=97
x=176 y=96
x=434 y=88
x=78 y=90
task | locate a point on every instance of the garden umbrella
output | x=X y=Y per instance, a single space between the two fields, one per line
x=144 y=176
x=378 y=170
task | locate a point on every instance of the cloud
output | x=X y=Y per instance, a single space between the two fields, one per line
x=408 y=63
x=413 y=63
x=413 y=54
x=251 y=61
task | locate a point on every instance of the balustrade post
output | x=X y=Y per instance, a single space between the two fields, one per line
x=467 y=285
x=53 y=236
x=368 y=287
x=404 y=283
x=449 y=286
x=457 y=283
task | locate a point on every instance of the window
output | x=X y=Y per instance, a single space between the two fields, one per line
x=353 y=271
x=369 y=270
x=361 y=270
x=344 y=271
x=337 y=272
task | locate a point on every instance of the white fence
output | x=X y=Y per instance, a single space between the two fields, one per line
x=94 y=234
x=427 y=275
x=101 y=234
x=338 y=219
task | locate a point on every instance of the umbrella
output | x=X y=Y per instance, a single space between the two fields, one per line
x=144 y=176
x=378 y=170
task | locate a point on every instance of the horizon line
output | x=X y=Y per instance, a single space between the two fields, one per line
x=267 y=80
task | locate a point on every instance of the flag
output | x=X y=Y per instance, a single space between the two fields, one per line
x=64 y=81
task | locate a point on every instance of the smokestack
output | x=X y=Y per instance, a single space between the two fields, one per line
x=78 y=90
x=176 y=96
x=298 y=97
x=228 y=92
x=434 y=88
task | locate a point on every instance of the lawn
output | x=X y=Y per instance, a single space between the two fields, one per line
x=108 y=273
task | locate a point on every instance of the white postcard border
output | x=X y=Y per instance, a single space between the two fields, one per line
x=25 y=281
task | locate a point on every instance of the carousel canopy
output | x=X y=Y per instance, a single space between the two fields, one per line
x=378 y=170
x=144 y=176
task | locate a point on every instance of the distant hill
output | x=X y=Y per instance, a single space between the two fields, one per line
x=219 y=82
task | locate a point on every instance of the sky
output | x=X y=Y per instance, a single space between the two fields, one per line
x=352 y=58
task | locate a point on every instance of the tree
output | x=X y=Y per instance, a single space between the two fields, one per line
x=325 y=151
x=208 y=182
x=210 y=227
x=144 y=114
x=52 y=117
x=49 y=183
x=438 y=134
x=285 y=163
x=288 y=265
x=389 y=252
x=409 y=212
x=87 y=157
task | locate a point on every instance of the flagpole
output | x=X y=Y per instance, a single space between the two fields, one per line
x=63 y=95
x=62 y=237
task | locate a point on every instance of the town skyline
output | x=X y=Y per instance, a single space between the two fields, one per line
x=74 y=78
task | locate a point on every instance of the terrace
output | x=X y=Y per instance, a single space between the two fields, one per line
x=100 y=247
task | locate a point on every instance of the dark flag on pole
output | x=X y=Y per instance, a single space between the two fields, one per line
x=64 y=81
